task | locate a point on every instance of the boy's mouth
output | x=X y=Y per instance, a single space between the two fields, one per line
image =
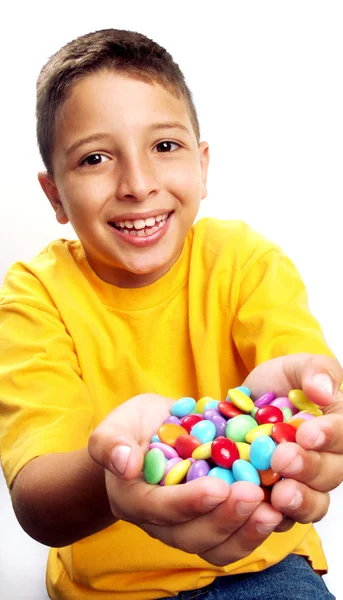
x=141 y=227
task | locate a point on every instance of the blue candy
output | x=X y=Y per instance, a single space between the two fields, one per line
x=225 y=474
x=205 y=431
x=244 y=471
x=183 y=407
x=261 y=452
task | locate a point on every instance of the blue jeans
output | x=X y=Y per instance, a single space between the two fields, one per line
x=290 y=579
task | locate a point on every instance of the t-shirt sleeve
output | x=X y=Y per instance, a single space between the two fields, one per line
x=273 y=317
x=44 y=404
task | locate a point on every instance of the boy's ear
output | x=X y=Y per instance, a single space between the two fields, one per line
x=204 y=152
x=49 y=188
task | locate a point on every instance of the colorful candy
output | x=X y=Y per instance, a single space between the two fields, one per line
x=233 y=439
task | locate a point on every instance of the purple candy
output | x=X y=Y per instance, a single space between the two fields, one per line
x=265 y=399
x=199 y=468
x=210 y=412
x=304 y=415
x=219 y=422
x=170 y=464
x=172 y=419
x=167 y=450
x=284 y=402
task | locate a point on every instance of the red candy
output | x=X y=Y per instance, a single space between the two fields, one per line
x=229 y=410
x=185 y=444
x=189 y=420
x=224 y=452
x=283 y=432
x=268 y=414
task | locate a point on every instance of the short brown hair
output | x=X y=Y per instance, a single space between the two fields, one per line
x=123 y=51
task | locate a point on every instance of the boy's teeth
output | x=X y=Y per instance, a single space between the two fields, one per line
x=140 y=224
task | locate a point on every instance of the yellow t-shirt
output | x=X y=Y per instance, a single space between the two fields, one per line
x=73 y=347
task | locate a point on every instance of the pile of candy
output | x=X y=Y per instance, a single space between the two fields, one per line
x=234 y=439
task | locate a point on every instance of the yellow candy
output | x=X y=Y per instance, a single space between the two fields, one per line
x=295 y=422
x=244 y=450
x=241 y=400
x=177 y=473
x=316 y=412
x=202 y=452
x=200 y=405
x=256 y=432
x=300 y=401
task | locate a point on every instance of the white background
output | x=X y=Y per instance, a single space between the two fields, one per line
x=267 y=82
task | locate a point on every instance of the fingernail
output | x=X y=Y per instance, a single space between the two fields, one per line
x=296 y=501
x=119 y=459
x=265 y=528
x=295 y=466
x=211 y=502
x=324 y=383
x=315 y=437
x=245 y=508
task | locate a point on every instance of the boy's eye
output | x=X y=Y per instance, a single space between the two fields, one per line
x=166 y=146
x=94 y=159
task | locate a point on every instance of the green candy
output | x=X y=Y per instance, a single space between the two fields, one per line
x=154 y=466
x=254 y=411
x=238 y=427
x=287 y=413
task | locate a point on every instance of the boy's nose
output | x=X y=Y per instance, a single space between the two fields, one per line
x=137 y=180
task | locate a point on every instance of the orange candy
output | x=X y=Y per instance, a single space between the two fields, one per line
x=169 y=432
x=269 y=477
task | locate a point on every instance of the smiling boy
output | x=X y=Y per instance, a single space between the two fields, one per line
x=101 y=334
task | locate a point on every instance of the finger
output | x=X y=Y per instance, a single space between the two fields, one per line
x=207 y=531
x=298 y=502
x=138 y=502
x=263 y=521
x=285 y=525
x=323 y=433
x=119 y=442
x=322 y=471
x=319 y=376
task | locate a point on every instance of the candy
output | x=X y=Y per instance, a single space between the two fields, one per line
x=265 y=399
x=224 y=452
x=243 y=470
x=190 y=420
x=199 y=468
x=168 y=433
x=261 y=452
x=183 y=407
x=283 y=432
x=238 y=427
x=203 y=451
x=186 y=444
x=167 y=450
x=154 y=466
x=264 y=429
x=233 y=439
x=178 y=472
x=205 y=431
x=241 y=400
x=224 y=474
x=268 y=414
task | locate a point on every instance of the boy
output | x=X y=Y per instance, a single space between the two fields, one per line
x=101 y=335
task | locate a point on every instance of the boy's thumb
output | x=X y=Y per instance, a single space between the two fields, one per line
x=119 y=454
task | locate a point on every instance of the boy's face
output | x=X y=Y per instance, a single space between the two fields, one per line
x=128 y=175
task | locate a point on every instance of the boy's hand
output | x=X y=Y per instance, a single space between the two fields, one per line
x=207 y=517
x=314 y=466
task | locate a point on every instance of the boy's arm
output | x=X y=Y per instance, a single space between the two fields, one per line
x=61 y=498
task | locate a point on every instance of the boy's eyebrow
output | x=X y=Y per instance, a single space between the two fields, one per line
x=170 y=125
x=97 y=137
